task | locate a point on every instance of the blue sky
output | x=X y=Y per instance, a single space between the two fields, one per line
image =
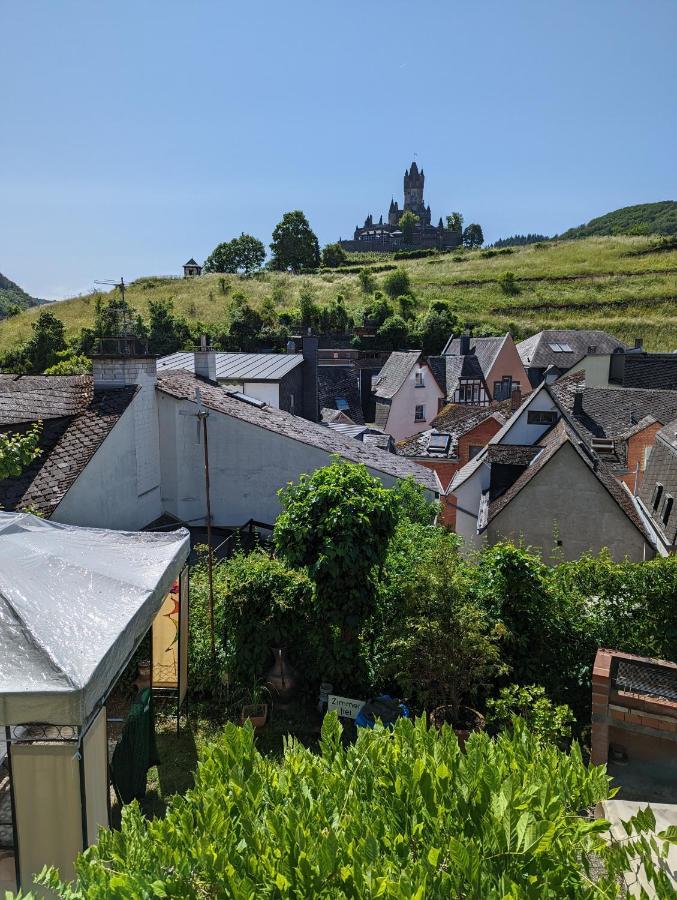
x=137 y=133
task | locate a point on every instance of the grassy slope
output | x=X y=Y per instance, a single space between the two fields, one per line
x=654 y=218
x=617 y=284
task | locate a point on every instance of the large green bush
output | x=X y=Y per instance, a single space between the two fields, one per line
x=401 y=814
x=259 y=604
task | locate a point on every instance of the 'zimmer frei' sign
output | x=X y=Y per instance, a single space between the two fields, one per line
x=344 y=706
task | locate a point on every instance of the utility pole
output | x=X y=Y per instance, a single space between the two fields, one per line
x=202 y=415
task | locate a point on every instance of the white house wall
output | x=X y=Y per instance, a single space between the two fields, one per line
x=401 y=422
x=248 y=465
x=119 y=488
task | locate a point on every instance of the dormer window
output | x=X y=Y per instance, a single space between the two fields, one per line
x=657 y=494
x=602 y=445
x=667 y=508
x=419 y=379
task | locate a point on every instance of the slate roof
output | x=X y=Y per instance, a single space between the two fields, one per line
x=237 y=366
x=76 y=421
x=611 y=412
x=486 y=349
x=395 y=372
x=455 y=419
x=536 y=352
x=546 y=448
x=448 y=370
x=656 y=371
x=662 y=469
x=381 y=413
x=181 y=385
x=191 y=262
x=512 y=454
x=335 y=383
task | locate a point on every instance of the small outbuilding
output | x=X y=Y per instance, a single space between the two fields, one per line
x=191 y=269
x=75 y=604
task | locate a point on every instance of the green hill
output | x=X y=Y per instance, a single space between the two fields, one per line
x=13 y=299
x=646 y=218
x=624 y=285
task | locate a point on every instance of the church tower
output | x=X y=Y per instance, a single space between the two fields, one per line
x=413 y=191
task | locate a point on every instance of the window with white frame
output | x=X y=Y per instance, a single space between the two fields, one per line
x=419 y=379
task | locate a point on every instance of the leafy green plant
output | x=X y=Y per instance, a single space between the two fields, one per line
x=397 y=283
x=508 y=283
x=529 y=703
x=397 y=814
x=17 y=451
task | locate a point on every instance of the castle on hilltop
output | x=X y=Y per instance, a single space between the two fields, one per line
x=382 y=236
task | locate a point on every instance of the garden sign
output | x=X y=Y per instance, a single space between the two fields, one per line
x=344 y=706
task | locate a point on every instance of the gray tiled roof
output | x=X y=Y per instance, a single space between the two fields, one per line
x=650 y=370
x=338 y=382
x=27 y=398
x=486 y=349
x=548 y=445
x=536 y=352
x=181 y=385
x=76 y=421
x=394 y=373
x=611 y=412
x=512 y=454
x=456 y=419
x=238 y=366
x=448 y=370
x=381 y=413
x=662 y=469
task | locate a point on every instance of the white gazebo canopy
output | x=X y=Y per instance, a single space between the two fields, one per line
x=74 y=605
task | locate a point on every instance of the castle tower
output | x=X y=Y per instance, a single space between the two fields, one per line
x=393 y=213
x=413 y=191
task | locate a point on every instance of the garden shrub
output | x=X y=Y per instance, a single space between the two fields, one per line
x=336 y=524
x=396 y=283
x=397 y=814
x=259 y=603
x=529 y=703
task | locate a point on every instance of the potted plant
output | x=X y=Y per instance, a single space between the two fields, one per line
x=446 y=655
x=256 y=709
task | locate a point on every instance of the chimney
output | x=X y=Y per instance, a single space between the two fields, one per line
x=516 y=398
x=122 y=362
x=205 y=361
x=465 y=344
x=639 y=343
x=310 y=398
x=578 y=403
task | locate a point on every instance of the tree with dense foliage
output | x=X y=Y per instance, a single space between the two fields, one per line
x=17 y=451
x=336 y=524
x=295 y=247
x=41 y=350
x=244 y=254
x=407 y=306
x=378 y=310
x=408 y=222
x=397 y=283
x=473 y=236
x=70 y=363
x=520 y=240
x=394 y=814
x=455 y=223
x=243 y=328
x=433 y=329
x=393 y=334
x=167 y=332
x=333 y=255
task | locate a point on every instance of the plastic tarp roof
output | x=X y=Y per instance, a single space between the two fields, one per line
x=74 y=604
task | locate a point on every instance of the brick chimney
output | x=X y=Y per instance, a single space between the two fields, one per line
x=465 y=344
x=578 y=403
x=310 y=396
x=515 y=398
x=205 y=360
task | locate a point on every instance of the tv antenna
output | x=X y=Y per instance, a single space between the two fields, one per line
x=118 y=284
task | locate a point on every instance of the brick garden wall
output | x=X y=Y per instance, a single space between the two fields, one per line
x=643 y=725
